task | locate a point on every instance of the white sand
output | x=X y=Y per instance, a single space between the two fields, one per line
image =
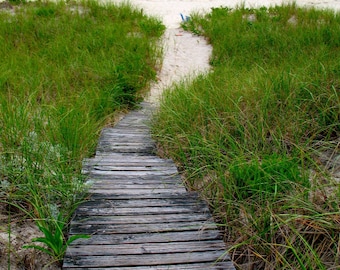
x=185 y=54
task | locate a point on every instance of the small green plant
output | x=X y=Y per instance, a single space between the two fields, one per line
x=54 y=239
x=267 y=179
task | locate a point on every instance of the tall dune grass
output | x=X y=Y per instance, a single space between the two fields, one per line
x=252 y=134
x=66 y=68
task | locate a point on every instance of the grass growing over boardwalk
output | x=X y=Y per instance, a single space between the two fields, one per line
x=65 y=69
x=259 y=134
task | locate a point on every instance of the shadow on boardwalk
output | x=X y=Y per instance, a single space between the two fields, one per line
x=139 y=214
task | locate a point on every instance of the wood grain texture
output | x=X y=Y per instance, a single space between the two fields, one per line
x=138 y=213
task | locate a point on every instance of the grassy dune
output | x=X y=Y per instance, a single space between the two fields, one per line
x=258 y=136
x=66 y=68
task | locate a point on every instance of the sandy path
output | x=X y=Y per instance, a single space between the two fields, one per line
x=184 y=54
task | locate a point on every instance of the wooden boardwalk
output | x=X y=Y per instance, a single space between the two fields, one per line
x=139 y=214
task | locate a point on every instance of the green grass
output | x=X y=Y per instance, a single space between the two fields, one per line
x=249 y=135
x=66 y=69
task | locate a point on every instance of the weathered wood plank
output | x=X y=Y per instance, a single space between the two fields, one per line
x=141 y=228
x=126 y=129
x=140 y=187
x=123 y=133
x=131 y=203
x=135 y=118
x=146 y=259
x=156 y=177
x=173 y=209
x=97 y=170
x=119 y=134
x=130 y=163
x=146 y=248
x=136 y=142
x=124 y=155
x=127 y=145
x=139 y=238
x=137 y=192
x=119 y=175
x=132 y=125
x=149 y=184
x=150 y=168
x=133 y=173
x=136 y=184
x=140 y=219
x=127 y=160
x=111 y=195
x=124 y=149
x=226 y=265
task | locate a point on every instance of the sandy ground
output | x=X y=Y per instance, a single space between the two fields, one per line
x=184 y=55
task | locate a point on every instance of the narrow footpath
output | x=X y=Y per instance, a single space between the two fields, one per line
x=139 y=214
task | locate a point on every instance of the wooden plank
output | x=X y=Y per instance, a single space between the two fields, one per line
x=124 y=155
x=81 y=218
x=135 y=180
x=132 y=133
x=141 y=228
x=165 y=169
x=133 y=159
x=133 y=173
x=137 y=129
x=148 y=184
x=132 y=124
x=145 y=248
x=150 y=177
x=123 y=133
x=226 y=265
x=126 y=141
x=97 y=176
x=136 y=193
x=129 y=170
x=126 y=144
x=146 y=150
x=136 y=118
x=137 y=184
x=139 y=238
x=120 y=183
x=142 y=210
x=131 y=129
x=130 y=163
x=141 y=187
x=111 y=195
x=131 y=203
x=145 y=259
